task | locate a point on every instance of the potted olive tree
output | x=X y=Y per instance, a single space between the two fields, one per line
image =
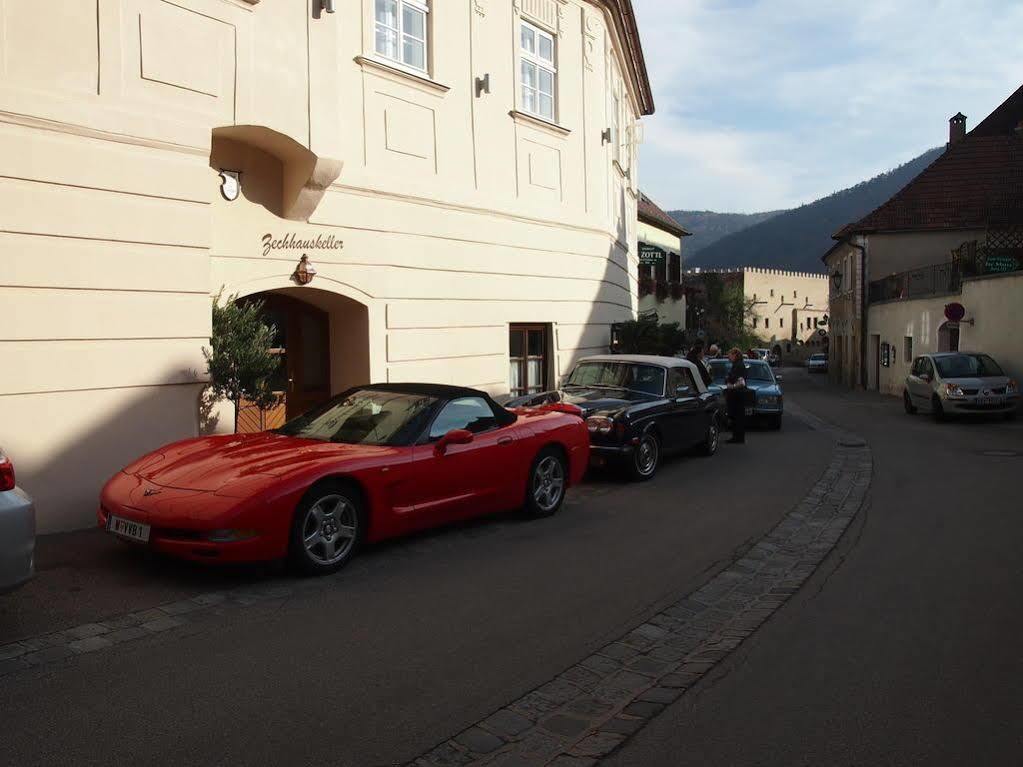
x=239 y=359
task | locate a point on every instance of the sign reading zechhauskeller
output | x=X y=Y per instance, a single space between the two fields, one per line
x=651 y=255
x=292 y=242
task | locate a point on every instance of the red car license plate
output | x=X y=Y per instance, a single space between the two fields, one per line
x=125 y=528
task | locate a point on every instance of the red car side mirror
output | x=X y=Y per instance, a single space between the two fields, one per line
x=453 y=437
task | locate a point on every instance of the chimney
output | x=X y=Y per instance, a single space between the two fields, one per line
x=956 y=128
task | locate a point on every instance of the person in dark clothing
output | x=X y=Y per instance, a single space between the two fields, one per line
x=735 y=396
x=696 y=357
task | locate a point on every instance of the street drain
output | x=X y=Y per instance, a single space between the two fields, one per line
x=1001 y=453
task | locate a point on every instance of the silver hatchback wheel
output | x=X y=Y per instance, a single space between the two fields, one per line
x=330 y=529
x=548 y=483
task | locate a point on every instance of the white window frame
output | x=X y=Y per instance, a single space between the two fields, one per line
x=538 y=62
x=419 y=5
x=616 y=124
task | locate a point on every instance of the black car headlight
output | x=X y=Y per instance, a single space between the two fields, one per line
x=599 y=424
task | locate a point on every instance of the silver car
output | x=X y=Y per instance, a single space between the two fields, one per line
x=817 y=363
x=959 y=383
x=17 y=530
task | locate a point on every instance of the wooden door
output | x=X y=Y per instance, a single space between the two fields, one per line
x=302 y=341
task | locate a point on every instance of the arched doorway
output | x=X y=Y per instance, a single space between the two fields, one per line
x=322 y=339
x=948 y=337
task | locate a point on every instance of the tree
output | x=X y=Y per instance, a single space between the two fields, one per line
x=647 y=336
x=239 y=360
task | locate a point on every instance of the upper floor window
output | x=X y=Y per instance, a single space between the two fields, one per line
x=401 y=31
x=536 y=50
x=616 y=127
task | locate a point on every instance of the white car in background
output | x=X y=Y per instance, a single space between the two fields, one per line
x=959 y=383
x=817 y=363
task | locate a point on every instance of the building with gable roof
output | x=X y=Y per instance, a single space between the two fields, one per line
x=953 y=235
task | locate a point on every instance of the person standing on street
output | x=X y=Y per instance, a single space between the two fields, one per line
x=714 y=352
x=696 y=357
x=735 y=396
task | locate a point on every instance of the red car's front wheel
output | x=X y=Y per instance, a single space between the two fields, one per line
x=328 y=527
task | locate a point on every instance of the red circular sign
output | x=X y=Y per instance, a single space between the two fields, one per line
x=954 y=312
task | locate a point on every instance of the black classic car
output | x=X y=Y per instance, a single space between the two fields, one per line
x=638 y=408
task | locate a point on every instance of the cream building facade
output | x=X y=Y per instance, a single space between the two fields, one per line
x=460 y=175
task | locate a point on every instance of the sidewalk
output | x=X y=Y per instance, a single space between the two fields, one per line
x=86 y=576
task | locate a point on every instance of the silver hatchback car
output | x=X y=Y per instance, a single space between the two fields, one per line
x=17 y=530
x=959 y=383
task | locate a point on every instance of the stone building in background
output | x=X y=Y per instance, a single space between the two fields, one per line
x=789 y=310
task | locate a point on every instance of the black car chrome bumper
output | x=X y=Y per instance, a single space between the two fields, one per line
x=602 y=455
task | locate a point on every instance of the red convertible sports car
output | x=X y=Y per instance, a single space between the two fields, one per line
x=372 y=463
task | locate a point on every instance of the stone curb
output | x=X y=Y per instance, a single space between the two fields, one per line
x=91 y=637
x=589 y=710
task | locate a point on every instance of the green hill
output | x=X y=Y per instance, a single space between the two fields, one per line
x=796 y=239
x=708 y=227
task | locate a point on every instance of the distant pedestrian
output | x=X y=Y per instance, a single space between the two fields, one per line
x=735 y=396
x=696 y=357
x=752 y=355
x=714 y=351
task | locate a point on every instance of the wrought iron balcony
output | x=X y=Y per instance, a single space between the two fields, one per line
x=934 y=280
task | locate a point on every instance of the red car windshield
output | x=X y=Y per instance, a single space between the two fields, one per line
x=364 y=417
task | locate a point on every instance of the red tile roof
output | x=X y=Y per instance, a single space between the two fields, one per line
x=976 y=184
x=652 y=214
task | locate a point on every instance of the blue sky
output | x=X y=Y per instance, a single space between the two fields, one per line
x=765 y=104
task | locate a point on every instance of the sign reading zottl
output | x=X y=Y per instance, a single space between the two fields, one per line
x=651 y=254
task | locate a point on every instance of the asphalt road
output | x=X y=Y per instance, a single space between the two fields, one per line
x=904 y=649
x=414 y=642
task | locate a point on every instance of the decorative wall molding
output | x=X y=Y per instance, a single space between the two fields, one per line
x=544 y=13
x=592 y=31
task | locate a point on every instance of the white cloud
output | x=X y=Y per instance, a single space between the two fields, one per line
x=764 y=104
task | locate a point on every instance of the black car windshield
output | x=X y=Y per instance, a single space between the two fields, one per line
x=648 y=379
x=755 y=371
x=967 y=366
x=364 y=417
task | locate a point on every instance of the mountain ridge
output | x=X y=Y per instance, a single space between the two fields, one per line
x=796 y=239
x=708 y=226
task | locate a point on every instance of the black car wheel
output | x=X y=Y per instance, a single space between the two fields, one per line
x=548 y=480
x=328 y=527
x=936 y=409
x=774 y=422
x=709 y=446
x=907 y=403
x=646 y=457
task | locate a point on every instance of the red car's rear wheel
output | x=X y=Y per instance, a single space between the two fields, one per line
x=328 y=527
